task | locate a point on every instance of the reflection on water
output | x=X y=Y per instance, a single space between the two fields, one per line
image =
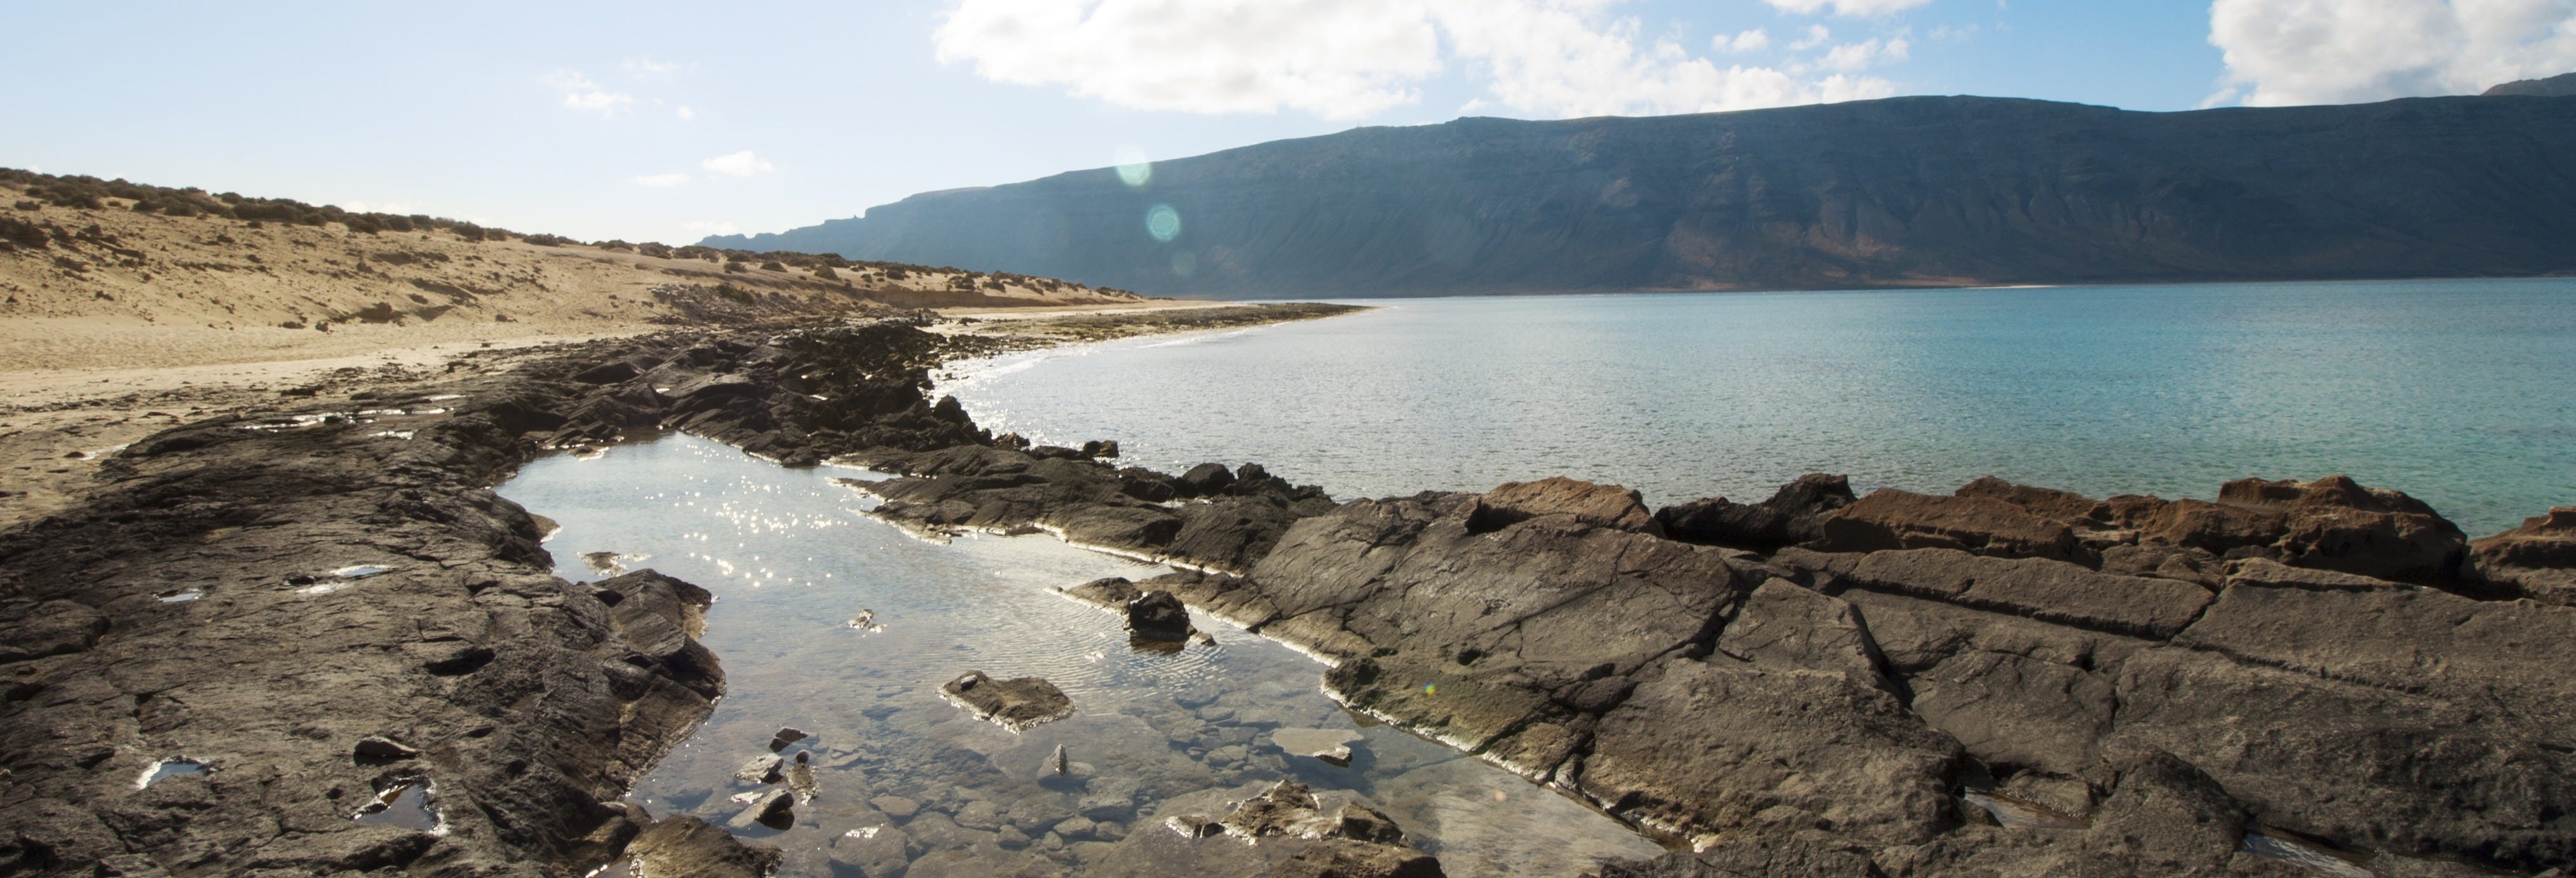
x=844 y=628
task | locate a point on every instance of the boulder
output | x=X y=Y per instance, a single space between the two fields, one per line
x=1207 y=479
x=2167 y=813
x=1157 y=615
x=1794 y=514
x=1892 y=519
x=1014 y=704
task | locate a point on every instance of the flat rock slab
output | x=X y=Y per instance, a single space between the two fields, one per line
x=1330 y=745
x=1014 y=704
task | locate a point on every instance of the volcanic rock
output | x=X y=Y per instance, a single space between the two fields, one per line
x=1157 y=615
x=1014 y=704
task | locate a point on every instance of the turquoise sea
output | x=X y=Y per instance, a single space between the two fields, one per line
x=2455 y=391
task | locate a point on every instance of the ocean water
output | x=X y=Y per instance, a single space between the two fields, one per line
x=2453 y=391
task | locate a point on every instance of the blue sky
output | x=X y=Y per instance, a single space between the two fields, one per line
x=668 y=121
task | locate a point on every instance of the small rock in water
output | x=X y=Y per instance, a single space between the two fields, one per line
x=1013 y=704
x=603 y=563
x=1158 y=615
x=761 y=769
x=1059 y=763
x=775 y=809
x=1333 y=746
x=866 y=620
x=897 y=807
x=785 y=737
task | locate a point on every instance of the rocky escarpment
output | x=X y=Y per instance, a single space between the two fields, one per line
x=303 y=611
x=2159 y=678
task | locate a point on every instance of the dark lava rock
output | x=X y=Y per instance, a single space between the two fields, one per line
x=1088 y=503
x=785 y=738
x=1794 y=514
x=1158 y=615
x=2538 y=558
x=1207 y=479
x=1014 y=704
x=685 y=845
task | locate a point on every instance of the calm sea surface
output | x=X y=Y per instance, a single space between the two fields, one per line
x=2453 y=391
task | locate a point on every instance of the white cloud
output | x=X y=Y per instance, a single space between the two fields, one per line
x=685 y=113
x=1350 y=59
x=1845 y=7
x=2309 y=51
x=740 y=164
x=1816 y=36
x=1859 y=56
x=580 y=93
x=660 y=179
x=1754 y=40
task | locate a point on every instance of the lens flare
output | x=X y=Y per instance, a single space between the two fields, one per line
x=1185 y=263
x=1163 y=222
x=1133 y=169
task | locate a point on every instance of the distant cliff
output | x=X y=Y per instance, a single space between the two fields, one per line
x=2559 y=86
x=1925 y=191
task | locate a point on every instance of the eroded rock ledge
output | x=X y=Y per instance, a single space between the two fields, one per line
x=1808 y=684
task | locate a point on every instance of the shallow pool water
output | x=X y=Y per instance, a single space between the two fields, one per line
x=794 y=562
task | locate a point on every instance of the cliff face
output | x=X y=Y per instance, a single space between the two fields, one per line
x=1904 y=192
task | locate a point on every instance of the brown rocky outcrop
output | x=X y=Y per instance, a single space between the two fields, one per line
x=1893 y=519
x=2538 y=558
x=1793 y=514
x=2331 y=524
x=1221 y=524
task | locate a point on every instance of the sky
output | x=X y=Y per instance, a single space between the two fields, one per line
x=661 y=121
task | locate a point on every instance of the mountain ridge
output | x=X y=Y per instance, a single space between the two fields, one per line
x=1900 y=192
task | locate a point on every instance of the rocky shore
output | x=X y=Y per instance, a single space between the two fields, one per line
x=319 y=606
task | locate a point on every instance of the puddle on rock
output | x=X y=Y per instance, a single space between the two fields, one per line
x=171 y=767
x=181 y=596
x=406 y=804
x=361 y=571
x=895 y=771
